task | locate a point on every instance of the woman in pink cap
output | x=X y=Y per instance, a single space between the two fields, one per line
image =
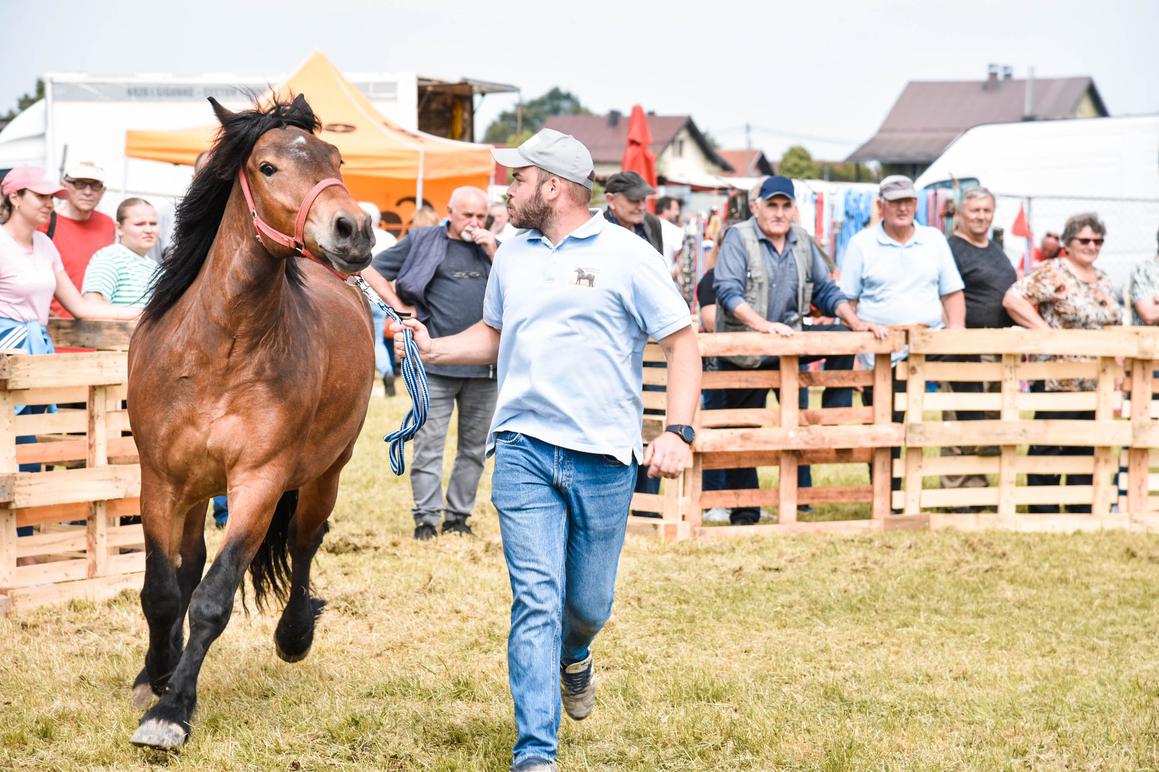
x=31 y=272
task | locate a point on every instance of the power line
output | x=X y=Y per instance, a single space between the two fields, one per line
x=748 y=128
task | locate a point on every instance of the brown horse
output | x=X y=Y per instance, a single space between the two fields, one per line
x=249 y=374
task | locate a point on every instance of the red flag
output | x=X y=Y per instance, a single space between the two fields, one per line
x=1020 y=227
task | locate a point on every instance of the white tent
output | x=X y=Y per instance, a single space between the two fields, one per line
x=22 y=140
x=1058 y=168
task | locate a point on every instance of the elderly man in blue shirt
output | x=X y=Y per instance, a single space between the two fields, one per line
x=569 y=306
x=900 y=272
x=768 y=274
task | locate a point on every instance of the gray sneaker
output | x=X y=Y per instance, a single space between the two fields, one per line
x=577 y=686
x=535 y=765
x=715 y=516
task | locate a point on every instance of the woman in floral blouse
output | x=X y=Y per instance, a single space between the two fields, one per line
x=1070 y=294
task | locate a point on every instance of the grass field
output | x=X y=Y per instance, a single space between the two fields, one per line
x=902 y=651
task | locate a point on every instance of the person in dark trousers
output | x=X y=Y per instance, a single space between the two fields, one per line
x=768 y=274
x=986 y=273
x=627 y=194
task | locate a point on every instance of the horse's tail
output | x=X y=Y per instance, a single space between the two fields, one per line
x=270 y=568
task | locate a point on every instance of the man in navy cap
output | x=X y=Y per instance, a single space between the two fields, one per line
x=768 y=274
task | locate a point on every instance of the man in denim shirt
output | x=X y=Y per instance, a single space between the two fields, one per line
x=768 y=274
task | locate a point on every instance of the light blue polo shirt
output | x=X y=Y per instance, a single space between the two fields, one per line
x=574 y=319
x=895 y=283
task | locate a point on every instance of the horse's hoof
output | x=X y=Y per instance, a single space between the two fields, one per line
x=163 y=735
x=296 y=657
x=143 y=696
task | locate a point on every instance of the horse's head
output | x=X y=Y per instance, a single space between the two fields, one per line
x=282 y=170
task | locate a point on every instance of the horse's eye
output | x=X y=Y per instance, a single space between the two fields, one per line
x=267 y=169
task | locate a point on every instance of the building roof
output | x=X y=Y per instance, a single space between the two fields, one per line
x=930 y=114
x=748 y=163
x=607 y=135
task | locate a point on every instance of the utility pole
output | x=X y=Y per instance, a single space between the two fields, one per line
x=748 y=137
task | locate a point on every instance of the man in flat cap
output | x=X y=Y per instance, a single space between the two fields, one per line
x=627 y=194
x=571 y=295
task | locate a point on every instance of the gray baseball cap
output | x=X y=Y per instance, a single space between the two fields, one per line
x=553 y=151
x=897 y=186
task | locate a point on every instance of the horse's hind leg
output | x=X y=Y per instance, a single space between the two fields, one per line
x=295 y=632
x=166 y=725
x=146 y=688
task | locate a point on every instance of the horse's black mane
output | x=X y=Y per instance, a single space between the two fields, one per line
x=200 y=211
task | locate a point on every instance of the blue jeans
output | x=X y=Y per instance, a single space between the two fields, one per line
x=383 y=360
x=562 y=515
x=29 y=439
x=220 y=511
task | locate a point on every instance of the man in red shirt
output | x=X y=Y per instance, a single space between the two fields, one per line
x=77 y=228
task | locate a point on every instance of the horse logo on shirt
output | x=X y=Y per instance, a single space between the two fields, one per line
x=582 y=276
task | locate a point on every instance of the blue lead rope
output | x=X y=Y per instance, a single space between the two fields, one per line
x=415 y=376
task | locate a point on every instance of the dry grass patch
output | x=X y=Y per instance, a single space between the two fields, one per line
x=900 y=651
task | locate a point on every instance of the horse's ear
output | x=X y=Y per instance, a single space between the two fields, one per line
x=222 y=113
x=299 y=103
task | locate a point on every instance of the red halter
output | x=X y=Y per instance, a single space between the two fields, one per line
x=298 y=242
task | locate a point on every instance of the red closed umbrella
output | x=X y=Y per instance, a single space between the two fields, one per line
x=638 y=153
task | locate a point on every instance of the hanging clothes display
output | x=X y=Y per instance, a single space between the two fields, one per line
x=858 y=210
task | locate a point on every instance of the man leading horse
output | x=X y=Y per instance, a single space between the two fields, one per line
x=566 y=449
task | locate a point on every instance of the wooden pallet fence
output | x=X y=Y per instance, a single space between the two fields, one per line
x=971 y=420
x=660 y=513
x=1009 y=399
x=88 y=476
x=785 y=436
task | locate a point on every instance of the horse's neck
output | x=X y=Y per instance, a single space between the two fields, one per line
x=243 y=288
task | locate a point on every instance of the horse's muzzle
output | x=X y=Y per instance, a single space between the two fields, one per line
x=349 y=243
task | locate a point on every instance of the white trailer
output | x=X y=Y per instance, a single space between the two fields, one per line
x=1055 y=169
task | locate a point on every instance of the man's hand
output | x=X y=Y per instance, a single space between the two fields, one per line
x=880 y=331
x=776 y=328
x=667 y=456
x=422 y=338
x=484 y=238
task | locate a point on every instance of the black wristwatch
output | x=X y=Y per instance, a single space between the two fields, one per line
x=683 y=431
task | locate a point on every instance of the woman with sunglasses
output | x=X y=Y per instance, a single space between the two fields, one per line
x=1070 y=294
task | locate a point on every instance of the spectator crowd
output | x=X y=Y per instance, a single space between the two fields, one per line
x=59 y=255
x=767 y=274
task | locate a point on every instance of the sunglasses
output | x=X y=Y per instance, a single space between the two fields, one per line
x=1098 y=242
x=86 y=184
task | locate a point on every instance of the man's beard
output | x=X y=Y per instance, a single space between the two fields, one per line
x=536 y=214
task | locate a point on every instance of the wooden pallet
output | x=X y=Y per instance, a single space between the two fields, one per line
x=89 y=478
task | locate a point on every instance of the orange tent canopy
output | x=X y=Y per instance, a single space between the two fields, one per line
x=384 y=163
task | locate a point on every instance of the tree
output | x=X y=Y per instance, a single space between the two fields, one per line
x=798 y=164
x=25 y=101
x=502 y=130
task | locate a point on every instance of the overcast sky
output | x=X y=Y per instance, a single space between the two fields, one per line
x=817 y=72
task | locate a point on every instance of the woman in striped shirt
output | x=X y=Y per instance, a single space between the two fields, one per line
x=122 y=273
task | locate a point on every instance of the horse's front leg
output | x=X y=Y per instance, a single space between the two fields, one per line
x=295 y=632
x=166 y=725
x=188 y=573
x=161 y=593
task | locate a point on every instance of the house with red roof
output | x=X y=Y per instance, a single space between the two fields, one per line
x=681 y=149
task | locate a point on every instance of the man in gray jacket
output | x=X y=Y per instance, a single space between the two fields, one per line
x=442 y=271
